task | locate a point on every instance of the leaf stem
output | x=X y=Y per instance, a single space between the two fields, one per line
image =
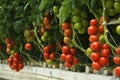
x=74 y=42
x=35 y=32
x=28 y=56
x=93 y=12
x=105 y=27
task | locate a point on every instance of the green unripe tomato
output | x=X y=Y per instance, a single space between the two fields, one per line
x=75 y=19
x=118 y=29
x=89 y=51
x=101 y=39
x=55 y=9
x=82 y=30
x=84 y=14
x=111 y=12
x=78 y=25
x=109 y=4
x=76 y=11
x=117 y=7
x=119 y=19
x=43 y=38
x=46 y=33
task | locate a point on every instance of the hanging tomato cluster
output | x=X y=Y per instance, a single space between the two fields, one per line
x=69 y=56
x=116 y=60
x=10 y=43
x=101 y=50
x=49 y=54
x=66 y=27
x=16 y=62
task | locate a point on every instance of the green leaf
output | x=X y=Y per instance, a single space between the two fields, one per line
x=81 y=2
x=43 y=4
x=93 y=3
x=66 y=2
x=65 y=10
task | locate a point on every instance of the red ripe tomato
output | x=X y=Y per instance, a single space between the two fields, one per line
x=73 y=51
x=68 y=32
x=69 y=58
x=93 y=22
x=104 y=61
x=46 y=49
x=106 y=46
x=10 y=59
x=105 y=53
x=93 y=38
x=20 y=66
x=117 y=71
x=92 y=30
x=65 y=49
x=65 y=26
x=13 y=42
x=15 y=60
x=48 y=26
x=68 y=65
x=52 y=56
x=16 y=55
x=15 y=65
x=95 y=46
x=12 y=67
x=0 y=47
x=101 y=29
x=46 y=20
x=76 y=60
x=9 y=45
x=20 y=58
x=118 y=50
x=17 y=69
x=62 y=56
x=46 y=55
x=28 y=46
x=96 y=65
x=95 y=56
x=7 y=40
x=116 y=60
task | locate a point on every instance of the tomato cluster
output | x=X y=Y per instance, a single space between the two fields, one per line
x=68 y=56
x=116 y=60
x=66 y=27
x=100 y=49
x=80 y=19
x=10 y=43
x=113 y=7
x=49 y=53
x=16 y=62
x=45 y=28
x=29 y=35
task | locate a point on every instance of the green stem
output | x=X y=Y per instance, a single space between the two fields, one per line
x=28 y=56
x=74 y=42
x=41 y=49
x=2 y=55
x=93 y=12
x=35 y=32
x=105 y=27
